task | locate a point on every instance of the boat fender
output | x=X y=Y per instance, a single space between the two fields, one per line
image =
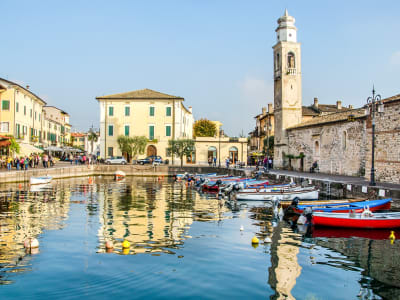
x=366 y=213
x=392 y=236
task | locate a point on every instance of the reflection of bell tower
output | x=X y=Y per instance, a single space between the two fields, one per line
x=287 y=84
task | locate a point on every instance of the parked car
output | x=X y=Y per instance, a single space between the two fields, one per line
x=156 y=159
x=114 y=160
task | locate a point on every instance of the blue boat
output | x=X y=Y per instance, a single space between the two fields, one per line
x=356 y=207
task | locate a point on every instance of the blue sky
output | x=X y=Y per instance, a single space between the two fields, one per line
x=215 y=54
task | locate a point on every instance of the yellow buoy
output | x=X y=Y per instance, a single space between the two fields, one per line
x=126 y=244
x=392 y=236
x=255 y=240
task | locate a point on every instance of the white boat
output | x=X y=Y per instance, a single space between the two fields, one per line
x=270 y=188
x=40 y=180
x=119 y=175
x=282 y=194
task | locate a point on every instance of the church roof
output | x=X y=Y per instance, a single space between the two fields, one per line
x=331 y=118
x=140 y=94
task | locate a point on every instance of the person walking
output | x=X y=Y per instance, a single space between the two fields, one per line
x=9 y=160
x=26 y=163
x=227 y=163
x=215 y=161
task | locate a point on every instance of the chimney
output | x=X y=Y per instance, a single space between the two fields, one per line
x=264 y=110
x=316 y=102
x=27 y=87
x=339 y=104
x=270 y=108
x=351 y=106
x=190 y=108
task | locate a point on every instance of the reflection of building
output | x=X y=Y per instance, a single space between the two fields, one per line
x=284 y=268
x=157 y=116
x=151 y=216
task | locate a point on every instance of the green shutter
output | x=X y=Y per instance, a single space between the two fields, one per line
x=111 y=111
x=17 y=107
x=126 y=130
x=168 y=111
x=5 y=105
x=151 y=132
x=110 y=151
x=127 y=111
x=168 y=130
x=24 y=110
x=110 y=130
x=152 y=111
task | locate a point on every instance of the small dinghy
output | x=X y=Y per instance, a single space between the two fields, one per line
x=281 y=194
x=366 y=220
x=119 y=175
x=40 y=180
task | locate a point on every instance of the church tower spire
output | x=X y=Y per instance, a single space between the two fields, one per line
x=287 y=84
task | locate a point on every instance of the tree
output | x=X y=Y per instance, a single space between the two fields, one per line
x=14 y=147
x=204 y=127
x=132 y=146
x=181 y=148
x=93 y=138
x=125 y=145
x=269 y=145
x=138 y=145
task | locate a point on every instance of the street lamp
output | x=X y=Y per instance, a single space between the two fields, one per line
x=219 y=147
x=374 y=104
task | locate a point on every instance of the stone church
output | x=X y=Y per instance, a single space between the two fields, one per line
x=338 y=139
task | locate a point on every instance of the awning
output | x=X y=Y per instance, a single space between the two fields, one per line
x=27 y=149
x=256 y=153
x=53 y=148
x=4 y=141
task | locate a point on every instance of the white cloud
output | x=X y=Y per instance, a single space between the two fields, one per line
x=395 y=59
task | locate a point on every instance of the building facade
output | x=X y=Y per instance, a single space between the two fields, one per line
x=157 y=116
x=56 y=127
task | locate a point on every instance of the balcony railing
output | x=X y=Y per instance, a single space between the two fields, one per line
x=291 y=71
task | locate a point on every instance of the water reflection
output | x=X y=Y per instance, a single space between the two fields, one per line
x=153 y=216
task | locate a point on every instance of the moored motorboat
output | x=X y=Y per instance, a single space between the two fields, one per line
x=40 y=179
x=119 y=175
x=281 y=194
x=352 y=220
x=356 y=207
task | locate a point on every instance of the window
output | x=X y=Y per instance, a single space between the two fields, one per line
x=126 y=130
x=17 y=131
x=5 y=105
x=17 y=107
x=110 y=130
x=152 y=108
x=168 y=111
x=110 y=151
x=151 y=132
x=24 y=110
x=111 y=111
x=30 y=112
x=127 y=111
x=291 y=62
x=82 y=139
x=168 y=130
x=4 y=126
x=35 y=115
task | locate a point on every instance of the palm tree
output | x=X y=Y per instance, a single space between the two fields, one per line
x=14 y=147
x=93 y=138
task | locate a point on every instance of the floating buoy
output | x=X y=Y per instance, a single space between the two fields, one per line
x=241 y=228
x=126 y=244
x=109 y=245
x=267 y=240
x=255 y=240
x=31 y=243
x=392 y=236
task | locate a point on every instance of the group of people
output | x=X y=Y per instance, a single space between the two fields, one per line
x=25 y=162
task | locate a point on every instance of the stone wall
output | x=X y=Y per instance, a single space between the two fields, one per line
x=387 y=144
x=339 y=148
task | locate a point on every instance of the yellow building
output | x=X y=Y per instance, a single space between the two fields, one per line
x=56 y=127
x=21 y=114
x=157 y=116
x=78 y=140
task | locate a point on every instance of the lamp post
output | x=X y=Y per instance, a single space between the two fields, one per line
x=219 y=147
x=374 y=104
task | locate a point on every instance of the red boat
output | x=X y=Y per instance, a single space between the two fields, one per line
x=352 y=220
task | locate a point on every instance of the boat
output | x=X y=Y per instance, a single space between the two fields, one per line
x=377 y=220
x=281 y=194
x=215 y=185
x=372 y=234
x=119 y=175
x=316 y=202
x=40 y=180
x=356 y=207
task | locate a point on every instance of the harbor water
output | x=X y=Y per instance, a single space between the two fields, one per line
x=183 y=245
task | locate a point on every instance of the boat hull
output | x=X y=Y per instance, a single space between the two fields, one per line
x=281 y=195
x=357 y=207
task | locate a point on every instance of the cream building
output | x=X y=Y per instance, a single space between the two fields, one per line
x=21 y=114
x=56 y=127
x=157 y=116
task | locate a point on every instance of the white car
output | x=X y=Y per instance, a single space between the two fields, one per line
x=114 y=160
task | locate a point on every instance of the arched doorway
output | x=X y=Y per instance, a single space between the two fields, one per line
x=151 y=150
x=233 y=154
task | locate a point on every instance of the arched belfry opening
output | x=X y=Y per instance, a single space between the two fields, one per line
x=291 y=61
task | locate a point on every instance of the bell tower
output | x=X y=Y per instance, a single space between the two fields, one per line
x=287 y=85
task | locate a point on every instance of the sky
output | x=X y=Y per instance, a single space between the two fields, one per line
x=216 y=54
